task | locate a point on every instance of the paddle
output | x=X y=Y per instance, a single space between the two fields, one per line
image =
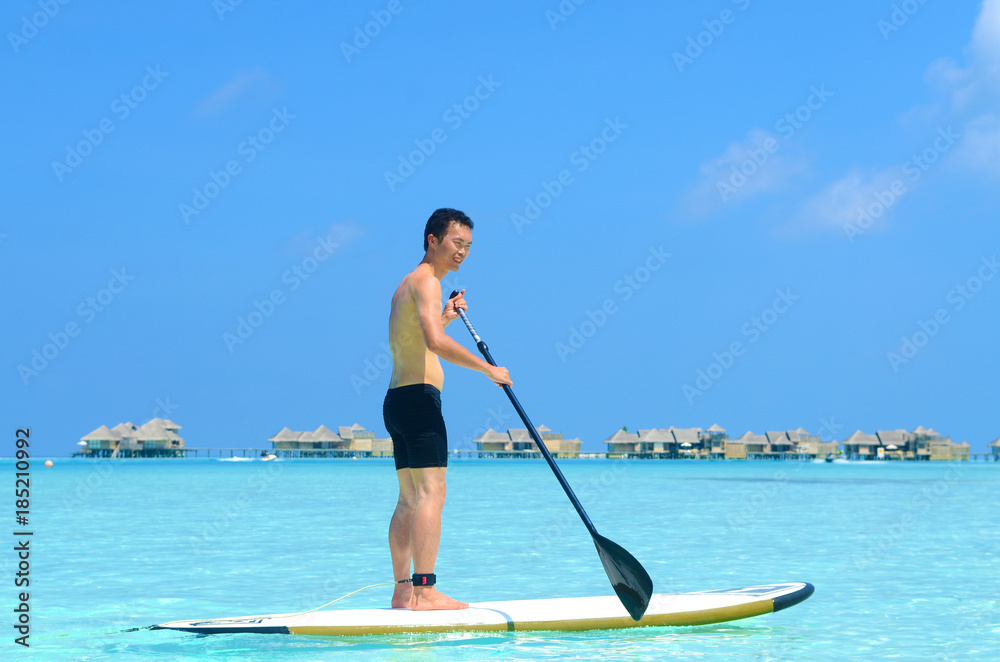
x=629 y=579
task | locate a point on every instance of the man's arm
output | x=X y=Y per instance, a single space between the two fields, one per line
x=427 y=295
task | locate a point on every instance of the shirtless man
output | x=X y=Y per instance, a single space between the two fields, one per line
x=412 y=407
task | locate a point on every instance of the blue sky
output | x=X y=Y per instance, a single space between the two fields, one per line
x=765 y=215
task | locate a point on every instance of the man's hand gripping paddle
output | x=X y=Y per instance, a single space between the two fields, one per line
x=629 y=579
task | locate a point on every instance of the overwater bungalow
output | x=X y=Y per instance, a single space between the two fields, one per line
x=622 y=443
x=348 y=441
x=517 y=442
x=920 y=444
x=755 y=446
x=657 y=443
x=714 y=441
x=861 y=446
x=157 y=437
x=994 y=447
x=813 y=447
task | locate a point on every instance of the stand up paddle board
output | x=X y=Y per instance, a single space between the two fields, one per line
x=598 y=613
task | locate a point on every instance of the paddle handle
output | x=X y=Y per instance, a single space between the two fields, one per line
x=485 y=351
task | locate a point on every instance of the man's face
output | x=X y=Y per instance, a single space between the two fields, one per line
x=454 y=248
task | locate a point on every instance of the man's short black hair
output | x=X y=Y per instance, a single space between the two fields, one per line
x=439 y=221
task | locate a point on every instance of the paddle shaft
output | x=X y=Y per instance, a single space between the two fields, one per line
x=485 y=351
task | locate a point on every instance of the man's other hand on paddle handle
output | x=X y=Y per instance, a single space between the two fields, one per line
x=499 y=375
x=451 y=306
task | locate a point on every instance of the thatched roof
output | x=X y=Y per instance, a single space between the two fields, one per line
x=323 y=433
x=892 y=437
x=492 y=436
x=655 y=436
x=777 y=437
x=686 y=435
x=167 y=424
x=622 y=437
x=519 y=434
x=347 y=432
x=860 y=437
x=150 y=431
x=920 y=429
x=995 y=442
x=102 y=434
x=751 y=438
x=286 y=435
x=716 y=428
x=126 y=429
x=802 y=430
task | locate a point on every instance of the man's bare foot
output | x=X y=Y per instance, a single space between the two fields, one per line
x=426 y=598
x=402 y=596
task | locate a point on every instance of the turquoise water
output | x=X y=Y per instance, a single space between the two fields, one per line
x=904 y=557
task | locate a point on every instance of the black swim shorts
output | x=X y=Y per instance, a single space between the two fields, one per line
x=412 y=416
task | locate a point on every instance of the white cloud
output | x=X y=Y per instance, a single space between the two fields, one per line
x=859 y=200
x=986 y=36
x=230 y=91
x=979 y=79
x=303 y=243
x=746 y=168
x=980 y=147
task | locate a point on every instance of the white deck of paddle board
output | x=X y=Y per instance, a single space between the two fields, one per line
x=604 y=612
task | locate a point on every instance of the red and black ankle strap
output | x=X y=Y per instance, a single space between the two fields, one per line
x=428 y=579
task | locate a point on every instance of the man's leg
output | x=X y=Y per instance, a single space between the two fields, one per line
x=425 y=536
x=399 y=539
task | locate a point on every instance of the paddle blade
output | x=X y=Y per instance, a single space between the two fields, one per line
x=629 y=579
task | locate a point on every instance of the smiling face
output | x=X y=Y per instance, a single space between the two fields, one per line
x=452 y=250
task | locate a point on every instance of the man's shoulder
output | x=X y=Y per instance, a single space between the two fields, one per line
x=420 y=280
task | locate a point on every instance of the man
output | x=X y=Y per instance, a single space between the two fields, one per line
x=412 y=407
